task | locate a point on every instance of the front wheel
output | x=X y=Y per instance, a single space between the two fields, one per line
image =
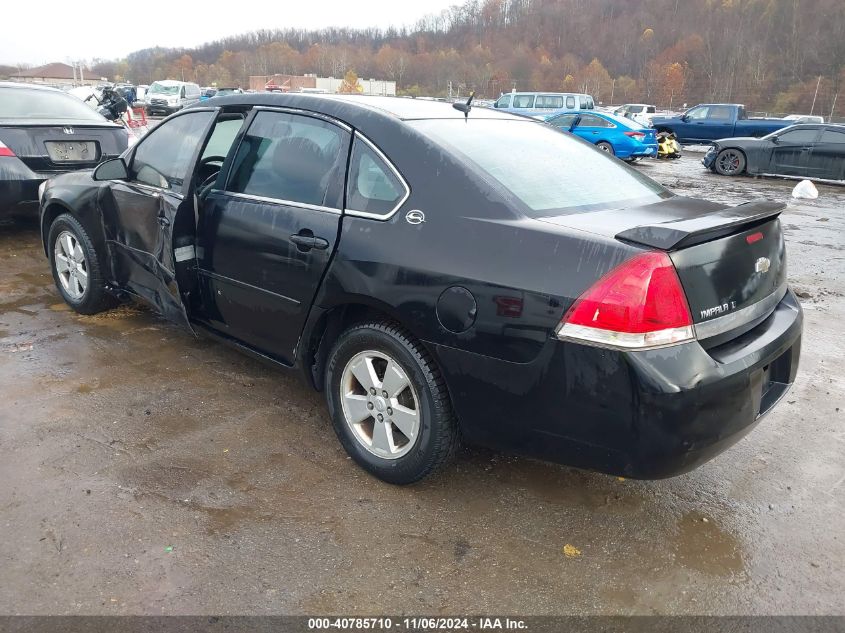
x=729 y=162
x=389 y=404
x=76 y=267
x=606 y=147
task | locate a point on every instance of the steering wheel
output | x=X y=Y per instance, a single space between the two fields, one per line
x=209 y=180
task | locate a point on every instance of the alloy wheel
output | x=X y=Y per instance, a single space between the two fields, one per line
x=380 y=405
x=729 y=162
x=71 y=265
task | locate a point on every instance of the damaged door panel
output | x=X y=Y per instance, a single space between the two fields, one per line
x=149 y=215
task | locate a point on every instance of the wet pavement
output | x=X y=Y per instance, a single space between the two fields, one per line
x=146 y=471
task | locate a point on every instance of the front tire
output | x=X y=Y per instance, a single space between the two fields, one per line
x=76 y=269
x=606 y=147
x=729 y=162
x=389 y=404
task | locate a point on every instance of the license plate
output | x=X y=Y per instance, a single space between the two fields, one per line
x=72 y=151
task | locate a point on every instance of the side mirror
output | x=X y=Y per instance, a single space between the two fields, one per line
x=775 y=140
x=113 y=169
x=684 y=118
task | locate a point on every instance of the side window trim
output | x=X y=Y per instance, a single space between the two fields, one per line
x=378 y=216
x=134 y=149
x=278 y=201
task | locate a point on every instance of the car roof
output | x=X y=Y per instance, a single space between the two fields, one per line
x=549 y=92
x=16 y=84
x=634 y=125
x=345 y=107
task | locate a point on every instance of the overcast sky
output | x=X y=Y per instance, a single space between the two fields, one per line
x=42 y=31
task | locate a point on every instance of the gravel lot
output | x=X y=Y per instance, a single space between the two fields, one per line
x=145 y=471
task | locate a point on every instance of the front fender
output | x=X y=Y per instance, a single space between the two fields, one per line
x=77 y=194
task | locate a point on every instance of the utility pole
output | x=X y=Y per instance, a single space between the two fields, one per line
x=832 y=108
x=818 y=83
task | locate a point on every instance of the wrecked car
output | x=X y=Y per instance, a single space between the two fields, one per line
x=799 y=151
x=443 y=274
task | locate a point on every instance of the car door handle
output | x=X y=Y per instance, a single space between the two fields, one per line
x=307 y=242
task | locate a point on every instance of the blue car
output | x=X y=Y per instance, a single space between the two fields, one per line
x=616 y=135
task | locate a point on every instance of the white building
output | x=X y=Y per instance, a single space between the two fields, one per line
x=368 y=86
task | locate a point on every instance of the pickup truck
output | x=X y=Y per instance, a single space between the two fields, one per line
x=712 y=121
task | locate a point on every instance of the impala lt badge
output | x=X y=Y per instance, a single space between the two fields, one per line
x=762 y=265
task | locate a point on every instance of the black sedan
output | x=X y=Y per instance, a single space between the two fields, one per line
x=442 y=275
x=800 y=151
x=44 y=132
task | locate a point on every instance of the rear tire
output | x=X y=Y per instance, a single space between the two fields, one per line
x=76 y=268
x=606 y=147
x=729 y=162
x=417 y=433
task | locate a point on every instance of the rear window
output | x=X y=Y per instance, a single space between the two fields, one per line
x=550 y=172
x=20 y=103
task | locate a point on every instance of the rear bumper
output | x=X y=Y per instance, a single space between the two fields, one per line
x=19 y=186
x=648 y=415
x=645 y=150
x=709 y=158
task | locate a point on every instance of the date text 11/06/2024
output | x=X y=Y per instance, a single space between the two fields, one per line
x=418 y=624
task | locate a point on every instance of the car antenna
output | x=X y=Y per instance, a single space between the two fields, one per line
x=465 y=107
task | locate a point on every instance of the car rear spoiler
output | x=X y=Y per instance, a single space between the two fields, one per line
x=704 y=228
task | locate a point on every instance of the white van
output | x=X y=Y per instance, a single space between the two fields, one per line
x=543 y=104
x=168 y=96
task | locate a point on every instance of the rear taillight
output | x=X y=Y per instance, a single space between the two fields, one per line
x=640 y=304
x=637 y=135
x=5 y=151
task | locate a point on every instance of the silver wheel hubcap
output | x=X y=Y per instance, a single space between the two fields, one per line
x=70 y=265
x=380 y=405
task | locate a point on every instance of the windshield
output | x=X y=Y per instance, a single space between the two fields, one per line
x=549 y=171
x=20 y=103
x=161 y=89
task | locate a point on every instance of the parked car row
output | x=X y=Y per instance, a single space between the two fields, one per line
x=564 y=306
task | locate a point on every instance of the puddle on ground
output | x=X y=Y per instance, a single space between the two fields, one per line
x=704 y=546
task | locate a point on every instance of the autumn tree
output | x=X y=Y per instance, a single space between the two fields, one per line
x=350 y=84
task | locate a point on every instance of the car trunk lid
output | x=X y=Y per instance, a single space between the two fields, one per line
x=731 y=261
x=62 y=147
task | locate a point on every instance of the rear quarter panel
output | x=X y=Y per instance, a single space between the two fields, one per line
x=522 y=273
